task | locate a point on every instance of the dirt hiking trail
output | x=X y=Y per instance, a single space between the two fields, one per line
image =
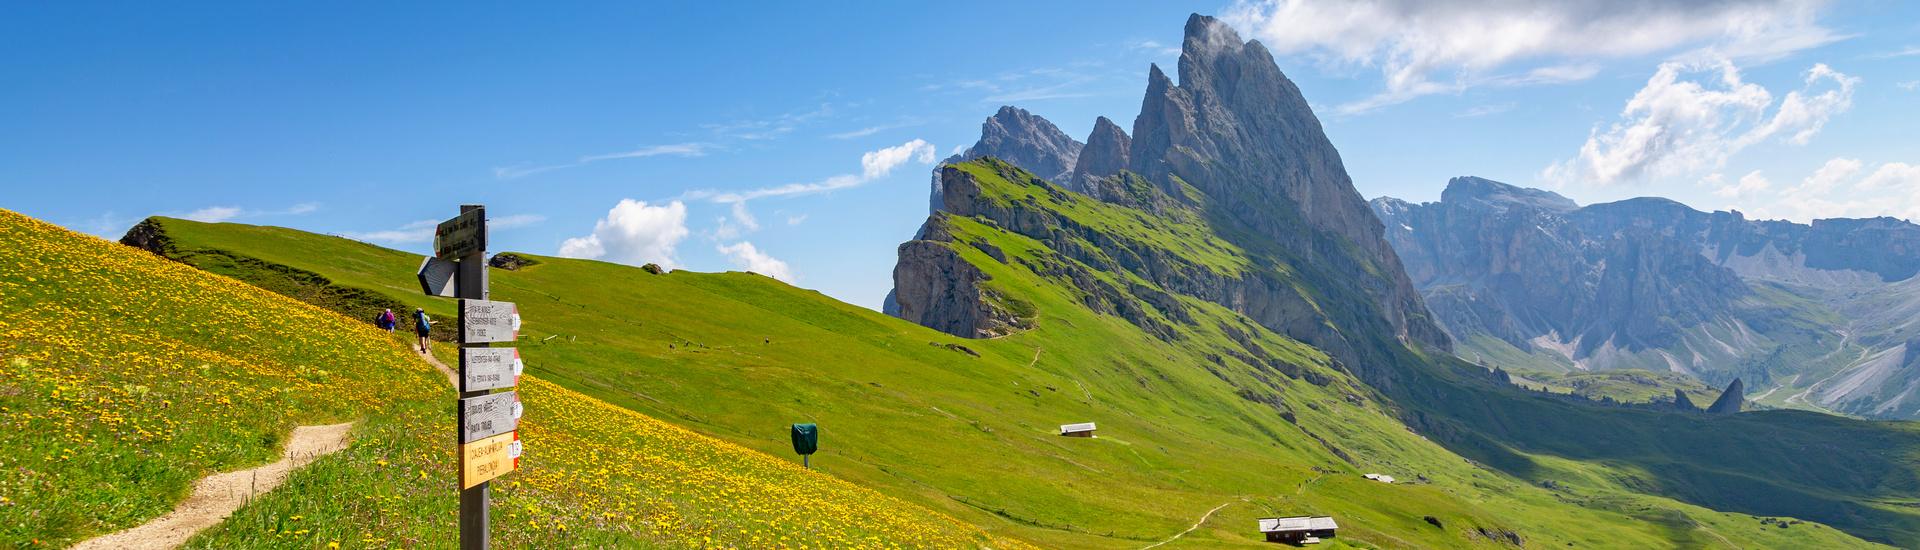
x=217 y=496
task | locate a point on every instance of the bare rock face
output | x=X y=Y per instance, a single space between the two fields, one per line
x=148 y=235
x=1680 y=401
x=1104 y=156
x=935 y=288
x=1730 y=400
x=1240 y=132
x=1024 y=139
x=1519 y=264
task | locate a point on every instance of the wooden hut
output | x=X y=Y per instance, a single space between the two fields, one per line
x=1083 y=429
x=1298 y=529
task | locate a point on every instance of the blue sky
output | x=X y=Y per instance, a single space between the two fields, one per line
x=797 y=140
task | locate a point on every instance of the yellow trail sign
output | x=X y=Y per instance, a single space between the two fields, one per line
x=489 y=458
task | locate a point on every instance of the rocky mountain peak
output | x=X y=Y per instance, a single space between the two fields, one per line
x=1028 y=141
x=1237 y=130
x=1473 y=191
x=1025 y=139
x=1680 y=401
x=1104 y=156
x=1730 y=400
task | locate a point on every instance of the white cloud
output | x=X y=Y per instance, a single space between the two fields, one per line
x=739 y=222
x=1834 y=191
x=1909 y=85
x=1903 y=52
x=107 y=225
x=797 y=219
x=674 y=150
x=414 y=232
x=633 y=233
x=1677 y=124
x=836 y=182
x=863 y=132
x=745 y=256
x=744 y=217
x=1748 y=185
x=214 y=214
x=1155 y=48
x=1895 y=176
x=677 y=149
x=516 y=220
x=1829 y=175
x=769 y=128
x=873 y=165
x=877 y=164
x=1024 y=86
x=1800 y=116
x=1424 y=47
x=1484 y=110
x=422 y=231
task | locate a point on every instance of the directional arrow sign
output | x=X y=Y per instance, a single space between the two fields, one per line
x=489 y=368
x=483 y=321
x=489 y=458
x=464 y=234
x=436 y=277
x=489 y=415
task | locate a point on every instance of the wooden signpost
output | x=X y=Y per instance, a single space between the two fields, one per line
x=488 y=422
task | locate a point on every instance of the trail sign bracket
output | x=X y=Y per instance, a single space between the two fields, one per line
x=436 y=277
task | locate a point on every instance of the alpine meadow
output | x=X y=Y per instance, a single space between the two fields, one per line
x=1190 y=331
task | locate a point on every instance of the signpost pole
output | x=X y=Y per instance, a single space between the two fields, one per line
x=471 y=284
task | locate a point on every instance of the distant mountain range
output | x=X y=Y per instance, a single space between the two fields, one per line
x=1823 y=315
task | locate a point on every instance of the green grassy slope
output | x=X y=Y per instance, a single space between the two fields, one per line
x=1186 y=426
x=124 y=377
x=1861 y=476
x=1622 y=385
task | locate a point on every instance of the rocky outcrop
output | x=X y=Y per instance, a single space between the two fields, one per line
x=1104 y=156
x=1730 y=400
x=936 y=288
x=149 y=236
x=1681 y=402
x=513 y=262
x=1024 y=139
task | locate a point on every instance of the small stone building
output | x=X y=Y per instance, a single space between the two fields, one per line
x=1083 y=429
x=1298 y=529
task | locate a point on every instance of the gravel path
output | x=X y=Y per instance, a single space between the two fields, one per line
x=217 y=496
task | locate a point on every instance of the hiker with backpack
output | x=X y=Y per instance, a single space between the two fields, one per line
x=421 y=326
x=386 y=320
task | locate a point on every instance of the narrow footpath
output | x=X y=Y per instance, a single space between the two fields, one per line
x=1196 y=525
x=215 y=497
